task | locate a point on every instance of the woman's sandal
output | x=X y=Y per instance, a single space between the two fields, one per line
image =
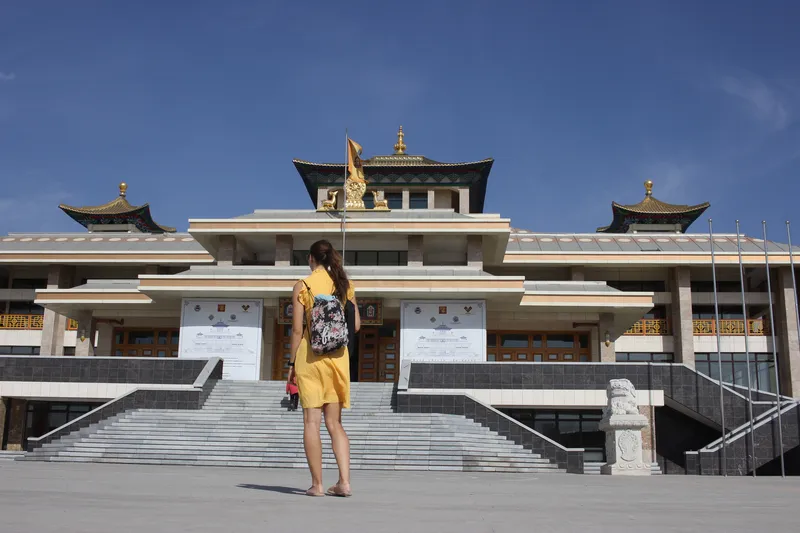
x=313 y=493
x=336 y=491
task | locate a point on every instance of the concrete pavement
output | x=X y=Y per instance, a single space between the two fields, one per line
x=95 y=498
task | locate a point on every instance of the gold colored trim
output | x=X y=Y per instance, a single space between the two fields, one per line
x=393 y=226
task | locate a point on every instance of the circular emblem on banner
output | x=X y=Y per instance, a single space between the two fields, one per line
x=197 y=308
x=233 y=317
x=417 y=310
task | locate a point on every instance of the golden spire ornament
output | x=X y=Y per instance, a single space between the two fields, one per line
x=648 y=187
x=123 y=189
x=400 y=146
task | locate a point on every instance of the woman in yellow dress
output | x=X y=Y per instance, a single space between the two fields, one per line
x=323 y=380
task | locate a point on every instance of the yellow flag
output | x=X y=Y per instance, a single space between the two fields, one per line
x=354 y=170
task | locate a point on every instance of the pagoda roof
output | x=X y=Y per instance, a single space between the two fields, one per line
x=402 y=169
x=117 y=211
x=652 y=211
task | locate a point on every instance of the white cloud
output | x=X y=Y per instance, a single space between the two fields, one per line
x=7 y=76
x=763 y=102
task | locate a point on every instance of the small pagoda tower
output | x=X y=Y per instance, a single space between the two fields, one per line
x=118 y=215
x=652 y=215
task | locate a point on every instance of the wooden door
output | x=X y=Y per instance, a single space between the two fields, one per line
x=379 y=353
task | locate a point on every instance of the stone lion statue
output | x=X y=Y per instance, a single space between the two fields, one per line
x=621 y=398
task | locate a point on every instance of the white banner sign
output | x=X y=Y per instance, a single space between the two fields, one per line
x=446 y=331
x=230 y=329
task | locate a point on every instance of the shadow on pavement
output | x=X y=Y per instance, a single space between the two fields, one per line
x=271 y=488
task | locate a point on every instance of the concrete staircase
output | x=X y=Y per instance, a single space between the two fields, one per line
x=8 y=455
x=247 y=424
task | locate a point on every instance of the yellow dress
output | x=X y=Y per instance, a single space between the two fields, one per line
x=322 y=379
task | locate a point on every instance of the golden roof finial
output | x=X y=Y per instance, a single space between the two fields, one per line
x=123 y=188
x=648 y=187
x=400 y=146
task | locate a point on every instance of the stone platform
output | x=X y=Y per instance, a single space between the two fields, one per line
x=96 y=498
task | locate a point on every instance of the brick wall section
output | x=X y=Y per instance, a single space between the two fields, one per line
x=100 y=370
x=679 y=383
x=461 y=404
x=137 y=399
x=738 y=452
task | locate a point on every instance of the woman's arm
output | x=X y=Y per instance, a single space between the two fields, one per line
x=298 y=311
x=357 y=313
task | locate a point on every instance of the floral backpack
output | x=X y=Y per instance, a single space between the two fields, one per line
x=327 y=324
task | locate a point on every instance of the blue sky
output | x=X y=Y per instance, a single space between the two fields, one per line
x=201 y=109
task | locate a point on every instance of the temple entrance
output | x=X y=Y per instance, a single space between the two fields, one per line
x=376 y=356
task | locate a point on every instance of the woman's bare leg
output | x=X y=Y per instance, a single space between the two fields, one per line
x=312 y=442
x=340 y=442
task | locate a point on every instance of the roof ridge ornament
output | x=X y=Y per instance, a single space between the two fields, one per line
x=648 y=188
x=400 y=146
x=123 y=189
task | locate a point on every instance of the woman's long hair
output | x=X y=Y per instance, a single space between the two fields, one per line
x=326 y=255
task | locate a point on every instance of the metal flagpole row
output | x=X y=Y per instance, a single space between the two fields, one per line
x=746 y=352
x=774 y=350
x=344 y=195
x=794 y=280
x=719 y=351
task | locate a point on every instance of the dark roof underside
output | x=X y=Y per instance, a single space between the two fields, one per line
x=139 y=217
x=419 y=173
x=624 y=217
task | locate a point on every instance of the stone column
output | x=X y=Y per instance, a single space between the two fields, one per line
x=105 y=339
x=607 y=353
x=16 y=425
x=475 y=251
x=682 y=330
x=226 y=253
x=577 y=273
x=786 y=333
x=268 y=342
x=284 y=248
x=649 y=434
x=463 y=200
x=406 y=199
x=431 y=198
x=415 y=250
x=84 y=345
x=52 y=343
x=2 y=422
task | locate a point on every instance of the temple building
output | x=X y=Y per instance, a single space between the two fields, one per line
x=467 y=321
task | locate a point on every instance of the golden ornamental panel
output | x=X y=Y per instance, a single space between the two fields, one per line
x=21 y=321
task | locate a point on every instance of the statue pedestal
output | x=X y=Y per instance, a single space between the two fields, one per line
x=624 y=445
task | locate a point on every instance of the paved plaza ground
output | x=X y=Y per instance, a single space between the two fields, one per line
x=67 y=498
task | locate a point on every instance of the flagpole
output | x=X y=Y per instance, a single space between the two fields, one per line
x=794 y=280
x=747 y=353
x=719 y=351
x=774 y=349
x=344 y=196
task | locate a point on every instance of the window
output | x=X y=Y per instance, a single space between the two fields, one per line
x=394 y=199
x=726 y=312
x=537 y=347
x=722 y=286
x=69 y=350
x=19 y=350
x=641 y=357
x=25 y=308
x=418 y=200
x=638 y=286
x=573 y=429
x=146 y=343
x=734 y=369
x=28 y=283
